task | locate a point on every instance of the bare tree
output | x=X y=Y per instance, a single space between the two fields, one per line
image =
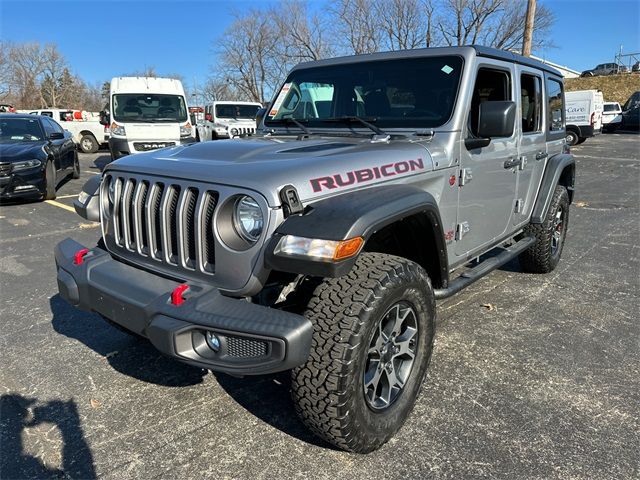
x=356 y=23
x=27 y=67
x=54 y=67
x=216 y=89
x=401 y=22
x=5 y=71
x=304 y=36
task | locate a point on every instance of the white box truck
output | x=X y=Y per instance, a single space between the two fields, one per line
x=583 y=110
x=147 y=113
x=226 y=119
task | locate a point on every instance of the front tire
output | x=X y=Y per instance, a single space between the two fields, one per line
x=88 y=144
x=76 y=167
x=50 y=181
x=373 y=337
x=543 y=256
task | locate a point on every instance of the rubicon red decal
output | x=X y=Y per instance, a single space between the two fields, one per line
x=365 y=175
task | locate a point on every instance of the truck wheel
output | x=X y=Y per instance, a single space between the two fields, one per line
x=543 y=256
x=76 y=166
x=571 y=138
x=373 y=336
x=88 y=144
x=50 y=181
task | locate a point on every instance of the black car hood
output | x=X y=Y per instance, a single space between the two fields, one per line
x=13 y=152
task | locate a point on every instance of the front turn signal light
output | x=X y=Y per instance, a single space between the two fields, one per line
x=318 y=249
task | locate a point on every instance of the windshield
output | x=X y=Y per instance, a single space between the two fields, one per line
x=410 y=93
x=133 y=107
x=237 y=111
x=13 y=130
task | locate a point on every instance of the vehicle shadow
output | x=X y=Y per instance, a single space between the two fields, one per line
x=130 y=355
x=268 y=398
x=101 y=162
x=18 y=413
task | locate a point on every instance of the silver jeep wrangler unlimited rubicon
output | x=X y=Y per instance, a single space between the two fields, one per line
x=377 y=186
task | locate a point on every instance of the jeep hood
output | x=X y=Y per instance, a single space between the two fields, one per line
x=317 y=167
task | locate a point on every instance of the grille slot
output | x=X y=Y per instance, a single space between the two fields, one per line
x=246 y=348
x=169 y=223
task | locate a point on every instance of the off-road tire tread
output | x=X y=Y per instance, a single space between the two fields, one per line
x=538 y=258
x=319 y=387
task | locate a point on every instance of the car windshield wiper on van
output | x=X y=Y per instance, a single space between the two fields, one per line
x=355 y=119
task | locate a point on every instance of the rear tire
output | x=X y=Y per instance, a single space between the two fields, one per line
x=571 y=138
x=373 y=337
x=581 y=140
x=543 y=256
x=88 y=144
x=50 y=181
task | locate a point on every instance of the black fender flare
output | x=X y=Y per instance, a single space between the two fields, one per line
x=561 y=169
x=354 y=214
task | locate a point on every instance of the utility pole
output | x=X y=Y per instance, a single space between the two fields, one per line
x=528 y=28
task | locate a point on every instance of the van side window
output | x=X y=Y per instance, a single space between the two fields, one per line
x=490 y=85
x=531 y=95
x=556 y=105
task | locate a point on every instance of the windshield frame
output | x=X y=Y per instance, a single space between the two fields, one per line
x=37 y=121
x=235 y=105
x=181 y=100
x=331 y=125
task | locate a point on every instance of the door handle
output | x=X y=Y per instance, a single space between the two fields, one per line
x=516 y=162
x=541 y=155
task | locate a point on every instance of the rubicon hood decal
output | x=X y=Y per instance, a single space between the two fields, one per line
x=365 y=175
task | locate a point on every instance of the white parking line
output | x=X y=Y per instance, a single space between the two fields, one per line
x=67 y=196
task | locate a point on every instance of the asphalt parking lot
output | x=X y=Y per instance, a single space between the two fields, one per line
x=532 y=376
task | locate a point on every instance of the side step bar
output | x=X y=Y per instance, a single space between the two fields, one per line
x=483 y=268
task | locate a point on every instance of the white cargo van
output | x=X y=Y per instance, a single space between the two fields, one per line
x=226 y=119
x=147 y=113
x=583 y=110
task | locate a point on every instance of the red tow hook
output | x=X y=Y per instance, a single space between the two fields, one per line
x=176 y=296
x=78 y=258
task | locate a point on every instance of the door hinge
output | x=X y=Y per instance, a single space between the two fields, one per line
x=462 y=229
x=466 y=175
x=523 y=162
x=519 y=205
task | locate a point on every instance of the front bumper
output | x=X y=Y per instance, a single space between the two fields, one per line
x=119 y=147
x=253 y=339
x=26 y=184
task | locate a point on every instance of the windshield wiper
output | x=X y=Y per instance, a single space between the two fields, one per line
x=297 y=123
x=356 y=119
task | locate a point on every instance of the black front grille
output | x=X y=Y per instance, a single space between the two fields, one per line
x=148 y=146
x=246 y=348
x=166 y=222
x=5 y=169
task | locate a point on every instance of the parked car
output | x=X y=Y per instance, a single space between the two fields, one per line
x=631 y=113
x=88 y=135
x=147 y=113
x=226 y=119
x=7 y=108
x=611 y=116
x=605 y=69
x=584 y=115
x=35 y=155
x=322 y=246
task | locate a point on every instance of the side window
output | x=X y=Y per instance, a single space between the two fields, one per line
x=56 y=126
x=47 y=114
x=531 y=96
x=48 y=127
x=556 y=105
x=491 y=85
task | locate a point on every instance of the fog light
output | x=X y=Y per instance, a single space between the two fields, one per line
x=213 y=341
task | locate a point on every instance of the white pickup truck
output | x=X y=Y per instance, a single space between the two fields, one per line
x=228 y=120
x=88 y=135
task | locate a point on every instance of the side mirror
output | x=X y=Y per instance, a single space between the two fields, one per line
x=56 y=136
x=104 y=118
x=496 y=119
x=260 y=116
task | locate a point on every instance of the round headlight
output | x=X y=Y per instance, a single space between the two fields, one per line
x=247 y=219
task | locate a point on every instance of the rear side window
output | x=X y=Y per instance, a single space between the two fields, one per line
x=48 y=127
x=556 y=105
x=531 y=96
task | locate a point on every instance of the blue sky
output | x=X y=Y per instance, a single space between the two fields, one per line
x=105 y=38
